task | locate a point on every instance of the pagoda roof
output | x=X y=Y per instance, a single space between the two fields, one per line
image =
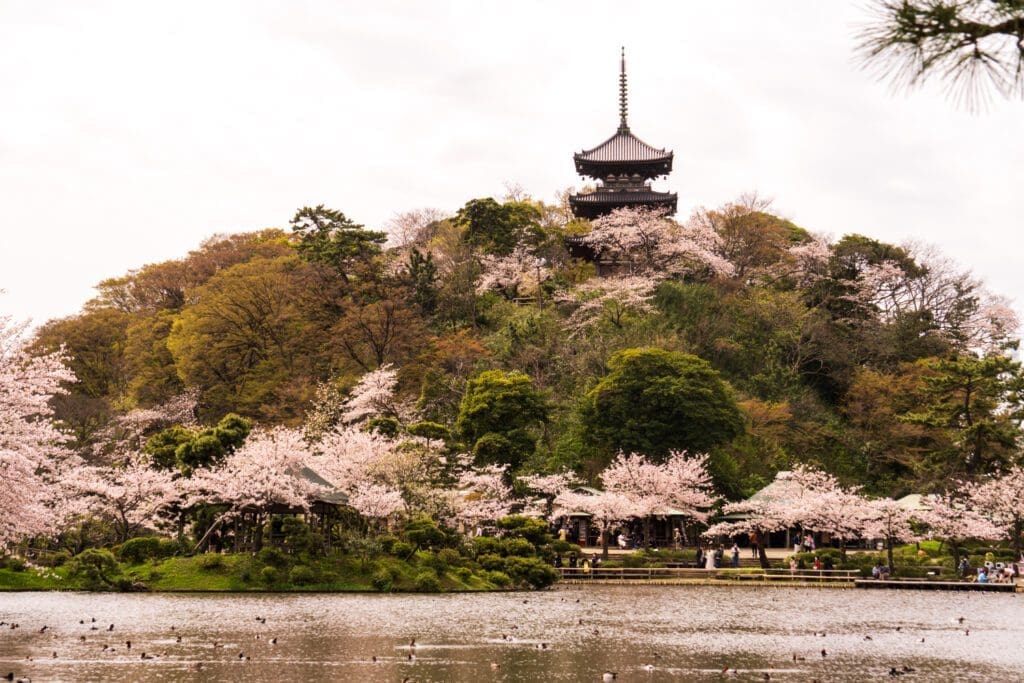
x=623 y=147
x=622 y=197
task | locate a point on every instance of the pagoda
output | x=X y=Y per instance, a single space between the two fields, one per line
x=623 y=166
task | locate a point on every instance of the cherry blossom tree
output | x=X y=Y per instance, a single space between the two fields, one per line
x=373 y=395
x=267 y=470
x=1003 y=497
x=376 y=502
x=128 y=431
x=482 y=495
x=513 y=273
x=810 y=261
x=802 y=497
x=546 y=487
x=886 y=519
x=953 y=521
x=647 y=241
x=608 y=300
x=130 y=494
x=33 y=458
x=680 y=483
x=607 y=509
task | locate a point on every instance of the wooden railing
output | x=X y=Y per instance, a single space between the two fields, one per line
x=664 y=573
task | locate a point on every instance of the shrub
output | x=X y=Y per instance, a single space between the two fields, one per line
x=449 y=556
x=402 y=549
x=499 y=579
x=269 y=574
x=54 y=559
x=388 y=426
x=423 y=532
x=382 y=580
x=298 y=537
x=564 y=547
x=533 y=530
x=302 y=575
x=492 y=562
x=387 y=543
x=433 y=560
x=464 y=573
x=519 y=547
x=272 y=557
x=529 y=571
x=138 y=550
x=211 y=561
x=483 y=545
x=95 y=568
x=426 y=581
x=429 y=430
x=16 y=564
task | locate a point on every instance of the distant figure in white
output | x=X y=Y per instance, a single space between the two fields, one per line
x=709 y=559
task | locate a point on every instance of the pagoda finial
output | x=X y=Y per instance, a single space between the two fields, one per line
x=623 y=106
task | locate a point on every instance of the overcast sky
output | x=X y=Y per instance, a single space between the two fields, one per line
x=130 y=131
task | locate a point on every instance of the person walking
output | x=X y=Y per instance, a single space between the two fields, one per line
x=709 y=559
x=700 y=557
x=753 y=544
x=735 y=556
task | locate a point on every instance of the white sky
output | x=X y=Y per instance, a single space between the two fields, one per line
x=130 y=131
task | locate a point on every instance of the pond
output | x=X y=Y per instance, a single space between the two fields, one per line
x=644 y=633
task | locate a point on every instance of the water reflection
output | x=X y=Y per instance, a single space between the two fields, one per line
x=572 y=634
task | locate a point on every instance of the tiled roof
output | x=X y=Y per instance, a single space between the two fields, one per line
x=601 y=197
x=623 y=146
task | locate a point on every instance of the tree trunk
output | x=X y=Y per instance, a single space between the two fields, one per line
x=604 y=543
x=257 y=533
x=1017 y=523
x=888 y=550
x=762 y=555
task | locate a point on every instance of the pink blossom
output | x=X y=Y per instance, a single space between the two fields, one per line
x=647 y=241
x=679 y=485
x=130 y=494
x=33 y=457
x=608 y=299
x=268 y=469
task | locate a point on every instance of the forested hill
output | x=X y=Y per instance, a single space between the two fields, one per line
x=733 y=332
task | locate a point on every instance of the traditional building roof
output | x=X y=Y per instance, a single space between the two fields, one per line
x=623 y=165
x=623 y=146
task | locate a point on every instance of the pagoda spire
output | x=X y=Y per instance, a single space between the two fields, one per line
x=623 y=103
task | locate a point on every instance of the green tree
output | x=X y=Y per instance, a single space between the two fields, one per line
x=962 y=41
x=188 y=450
x=980 y=402
x=330 y=238
x=248 y=342
x=653 y=401
x=499 y=415
x=498 y=228
x=422 y=276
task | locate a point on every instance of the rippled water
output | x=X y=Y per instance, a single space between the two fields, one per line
x=684 y=633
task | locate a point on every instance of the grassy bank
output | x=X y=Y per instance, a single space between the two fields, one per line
x=425 y=559
x=246 y=573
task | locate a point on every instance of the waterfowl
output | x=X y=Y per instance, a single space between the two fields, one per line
x=609 y=676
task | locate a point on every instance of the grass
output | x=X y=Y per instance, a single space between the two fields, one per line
x=244 y=573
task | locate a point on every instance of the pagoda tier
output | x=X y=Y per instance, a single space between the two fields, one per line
x=603 y=201
x=623 y=166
